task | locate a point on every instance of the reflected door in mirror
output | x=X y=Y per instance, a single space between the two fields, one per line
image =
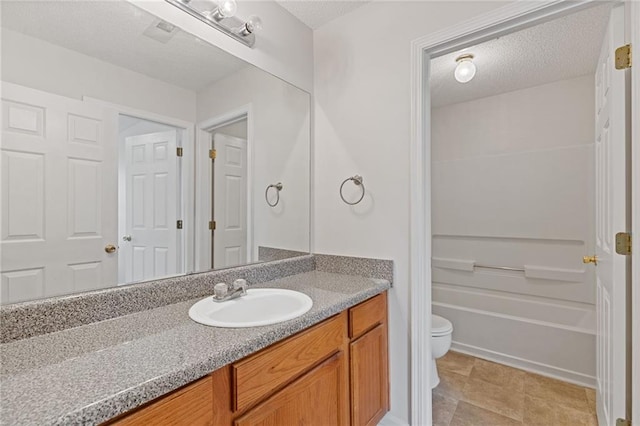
x=58 y=195
x=150 y=174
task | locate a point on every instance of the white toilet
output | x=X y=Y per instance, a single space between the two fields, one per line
x=441 y=329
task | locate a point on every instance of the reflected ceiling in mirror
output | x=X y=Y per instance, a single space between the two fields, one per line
x=131 y=150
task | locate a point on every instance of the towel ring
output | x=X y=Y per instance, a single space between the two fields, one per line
x=278 y=188
x=357 y=179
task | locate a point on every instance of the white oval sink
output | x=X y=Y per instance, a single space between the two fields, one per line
x=261 y=306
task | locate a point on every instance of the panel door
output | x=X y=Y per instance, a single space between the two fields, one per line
x=611 y=192
x=369 y=377
x=58 y=193
x=151 y=206
x=317 y=398
x=230 y=201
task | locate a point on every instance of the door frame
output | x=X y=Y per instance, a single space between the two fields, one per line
x=203 y=174
x=634 y=14
x=185 y=170
x=512 y=17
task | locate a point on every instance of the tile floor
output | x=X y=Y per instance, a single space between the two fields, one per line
x=475 y=392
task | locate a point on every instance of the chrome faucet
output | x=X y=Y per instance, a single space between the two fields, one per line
x=223 y=292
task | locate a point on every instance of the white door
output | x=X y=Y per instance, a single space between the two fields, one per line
x=230 y=201
x=611 y=198
x=151 y=239
x=59 y=195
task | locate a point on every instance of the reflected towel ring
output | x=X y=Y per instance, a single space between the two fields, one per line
x=278 y=188
x=357 y=179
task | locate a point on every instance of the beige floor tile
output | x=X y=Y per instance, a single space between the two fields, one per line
x=469 y=415
x=498 y=374
x=543 y=412
x=566 y=394
x=538 y=412
x=498 y=399
x=443 y=409
x=591 y=399
x=456 y=362
x=451 y=384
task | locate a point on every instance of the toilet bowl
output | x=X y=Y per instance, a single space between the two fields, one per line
x=441 y=329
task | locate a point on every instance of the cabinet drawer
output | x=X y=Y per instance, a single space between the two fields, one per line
x=262 y=373
x=320 y=397
x=367 y=315
x=191 y=405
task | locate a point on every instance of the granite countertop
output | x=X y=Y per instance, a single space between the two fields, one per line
x=89 y=374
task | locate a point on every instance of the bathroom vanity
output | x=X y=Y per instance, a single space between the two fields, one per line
x=134 y=363
x=335 y=372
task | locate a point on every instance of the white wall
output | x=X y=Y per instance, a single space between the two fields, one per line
x=362 y=125
x=281 y=148
x=35 y=63
x=512 y=186
x=284 y=47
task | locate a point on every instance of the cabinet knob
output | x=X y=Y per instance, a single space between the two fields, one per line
x=590 y=259
x=110 y=248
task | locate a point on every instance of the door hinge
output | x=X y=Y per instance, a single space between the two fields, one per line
x=212 y=225
x=623 y=422
x=179 y=224
x=623 y=243
x=623 y=57
x=179 y=151
x=212 y=154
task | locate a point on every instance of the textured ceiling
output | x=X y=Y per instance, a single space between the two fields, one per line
x=315 y=13
x=564 y=48
x=114 y=31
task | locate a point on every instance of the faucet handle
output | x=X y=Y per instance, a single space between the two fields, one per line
x=220 y=290
x=240 y=284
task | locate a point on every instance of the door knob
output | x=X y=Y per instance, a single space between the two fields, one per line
x=126 y=238
x=590 y=259
x=110 y=248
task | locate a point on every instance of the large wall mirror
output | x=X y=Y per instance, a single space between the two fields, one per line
x=131 y=151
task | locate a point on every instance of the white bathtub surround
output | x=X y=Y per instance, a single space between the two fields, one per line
x=512 y=188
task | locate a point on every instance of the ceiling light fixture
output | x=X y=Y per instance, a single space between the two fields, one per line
x=221 y=17
x=466 y=69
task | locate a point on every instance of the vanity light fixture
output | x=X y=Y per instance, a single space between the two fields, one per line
x=221 y=17
x=466 y=69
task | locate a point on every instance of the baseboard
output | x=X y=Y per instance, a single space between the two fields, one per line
x=390 y=420
x=527 y=365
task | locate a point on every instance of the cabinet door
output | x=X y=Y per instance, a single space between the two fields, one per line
x=369 y=377
x=320 y=397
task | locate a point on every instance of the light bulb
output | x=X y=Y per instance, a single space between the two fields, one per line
x=227 y=8
x=253 y=24
x=223 y=9
x=465 y=70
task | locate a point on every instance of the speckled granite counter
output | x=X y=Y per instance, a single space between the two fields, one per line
x=89 y=374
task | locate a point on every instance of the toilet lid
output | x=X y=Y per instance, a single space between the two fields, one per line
x=440 y=326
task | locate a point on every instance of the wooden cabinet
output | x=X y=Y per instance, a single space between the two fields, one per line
x=334 y=373
x=369 y=361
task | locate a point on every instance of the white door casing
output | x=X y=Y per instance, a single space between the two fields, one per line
x=151 y=206
x=611 y=199
x=59 y=195
x=230 y=201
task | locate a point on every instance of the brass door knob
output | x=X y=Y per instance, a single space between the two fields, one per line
x=110 y=248
x=590 y=259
